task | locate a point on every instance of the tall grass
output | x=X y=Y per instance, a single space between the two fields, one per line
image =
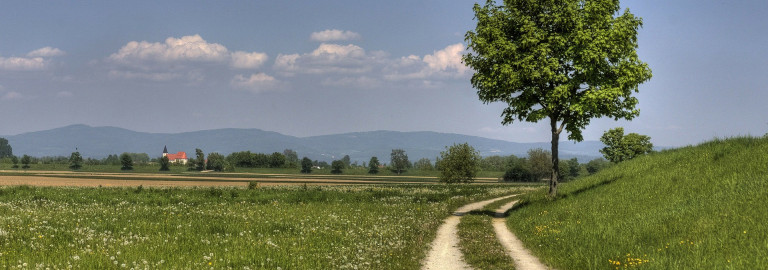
x=698 y=207
x=300 y=227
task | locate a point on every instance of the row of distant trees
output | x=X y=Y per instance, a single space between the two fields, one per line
x=531 y=168
x=457 y=159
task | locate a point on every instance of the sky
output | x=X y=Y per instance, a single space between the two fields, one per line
x=306 y=68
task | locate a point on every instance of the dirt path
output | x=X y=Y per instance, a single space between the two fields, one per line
x=445 y=253
x=514 y=247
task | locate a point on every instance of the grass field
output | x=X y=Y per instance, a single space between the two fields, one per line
x=698 y=207
x=286 y=227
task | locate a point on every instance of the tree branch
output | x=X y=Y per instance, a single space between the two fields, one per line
x=562 y=125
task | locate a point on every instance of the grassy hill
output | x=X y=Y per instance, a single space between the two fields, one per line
x=698 y=207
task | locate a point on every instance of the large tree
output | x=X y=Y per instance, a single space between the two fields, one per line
x=539 y=163
x=127 y=161
x=276 y=160
x=216 y=162
x=75 y=161
x=164 y=163
x=399 y=161
x=347 y=161
x=291 y=158
x=337 y=166
x=566 y=60
x=199 y=159
x=25 y=161
x=373 y=165
x=15 y=161
x=5 y=149
x=306 y=165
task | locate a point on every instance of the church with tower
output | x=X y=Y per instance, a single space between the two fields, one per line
x=179 y=157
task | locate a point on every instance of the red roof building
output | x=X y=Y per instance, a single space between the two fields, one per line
x=179 y=157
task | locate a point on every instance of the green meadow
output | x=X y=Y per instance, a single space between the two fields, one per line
x=287 y=227
x=697 y=207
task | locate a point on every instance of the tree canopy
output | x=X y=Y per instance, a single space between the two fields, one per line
x=620 y=147
x=127 y=161
x=373 y=165
x=199 y=161
x=459 y=164
x=15 y=162
x=5 y=148
x=75 y=161
x=25 y=161
x=216 y=162
x=399 y=161
x=306 y=165
x=337 y=166
x=164 y=164
x=566 y=60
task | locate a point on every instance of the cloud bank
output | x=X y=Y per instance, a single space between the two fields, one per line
x=193 y=59
x=188 y=57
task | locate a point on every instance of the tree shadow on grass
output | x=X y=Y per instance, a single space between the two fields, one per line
x=588 y=188
x=523 y=203
x=492 y=213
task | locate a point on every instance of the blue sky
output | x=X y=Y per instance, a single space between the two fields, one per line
x=307 y=68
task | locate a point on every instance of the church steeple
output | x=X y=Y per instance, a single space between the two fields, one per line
x=165 y=150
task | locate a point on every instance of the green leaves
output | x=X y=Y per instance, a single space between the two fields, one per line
x=620 y=147
x=569 y=60
x=459 y=164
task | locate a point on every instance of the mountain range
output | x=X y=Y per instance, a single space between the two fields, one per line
x=98 y=142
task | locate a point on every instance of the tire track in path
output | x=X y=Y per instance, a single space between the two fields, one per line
x=444 y=253
x=513 y=246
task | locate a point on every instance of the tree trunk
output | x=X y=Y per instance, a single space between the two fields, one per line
x=555 y=158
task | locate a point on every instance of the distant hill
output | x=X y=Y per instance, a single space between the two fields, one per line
x=98 y=142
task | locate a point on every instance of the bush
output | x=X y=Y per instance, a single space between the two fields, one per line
x=517 y=174
x=253 y=185
x=306 y=165
x=373 y=165
x=459 y=164
x=337 y=166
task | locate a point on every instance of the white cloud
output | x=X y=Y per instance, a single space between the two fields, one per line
x=186 y=48
x=247 y=60
x=21 y=63
x=189 y=57
x=35 y=60
x=327 y=58
x=352 y=66
x=259 y=82
x=46 y=52
x=333 y=35
x=440 y=64
x=447 y=60
x=11 y=96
